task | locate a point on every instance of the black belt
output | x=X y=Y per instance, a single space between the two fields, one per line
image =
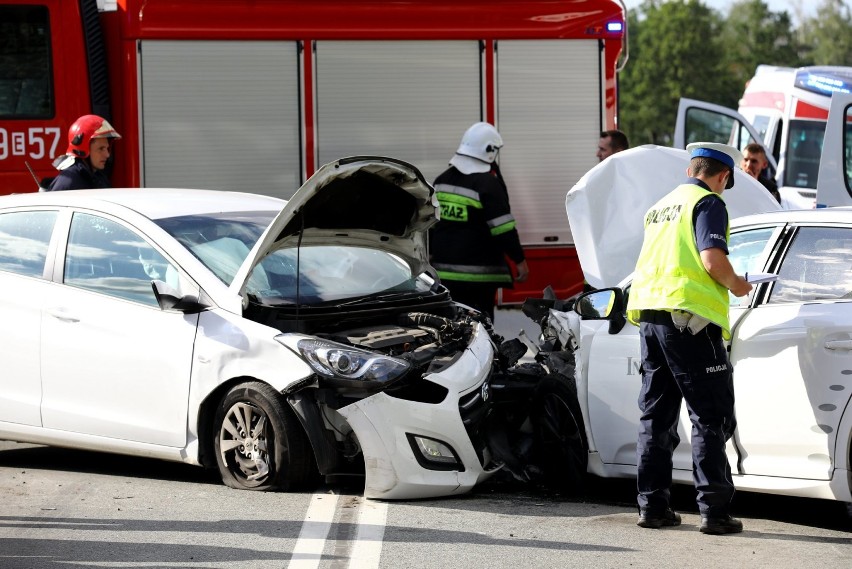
x=656 y=317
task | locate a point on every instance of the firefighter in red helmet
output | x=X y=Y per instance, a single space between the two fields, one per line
x=88 y=151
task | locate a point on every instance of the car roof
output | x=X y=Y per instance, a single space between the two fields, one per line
x=820 y=215
x=154 y=203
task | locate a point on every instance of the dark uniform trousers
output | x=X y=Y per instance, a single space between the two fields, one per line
x=677 y=365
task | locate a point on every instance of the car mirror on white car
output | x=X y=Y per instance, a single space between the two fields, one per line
x=603 y=304
x=170 y=299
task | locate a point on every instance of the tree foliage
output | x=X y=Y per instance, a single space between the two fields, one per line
x=829 y=33
x=675 y=52
x=683 y=48
x=755 y=35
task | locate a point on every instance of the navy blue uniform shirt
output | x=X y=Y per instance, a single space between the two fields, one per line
x=710 y=220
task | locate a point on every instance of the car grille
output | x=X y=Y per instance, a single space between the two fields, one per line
x=474 y=410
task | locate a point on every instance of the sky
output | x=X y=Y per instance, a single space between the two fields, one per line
x=790 y=6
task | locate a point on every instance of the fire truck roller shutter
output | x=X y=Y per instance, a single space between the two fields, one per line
x=221 y=115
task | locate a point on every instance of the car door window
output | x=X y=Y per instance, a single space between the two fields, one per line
x=24 y=239
x=702 y=124
x=106 y=257
x=747 y=251
x=817 y=266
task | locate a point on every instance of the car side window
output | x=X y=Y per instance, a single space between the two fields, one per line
x=817 y=266
x=24 y=239
x=747 y=251
x=106 y=257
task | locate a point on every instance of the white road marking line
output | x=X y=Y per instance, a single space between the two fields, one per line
x=371 y=531
x=308 y=550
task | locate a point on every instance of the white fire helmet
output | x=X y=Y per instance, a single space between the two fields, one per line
x=481 y=142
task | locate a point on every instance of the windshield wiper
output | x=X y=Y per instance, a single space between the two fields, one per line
x=381 y=297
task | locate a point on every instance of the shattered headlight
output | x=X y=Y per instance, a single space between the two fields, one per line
x=341 y=363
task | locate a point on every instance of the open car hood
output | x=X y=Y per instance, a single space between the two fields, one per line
x=368 y=201
x=606 y=208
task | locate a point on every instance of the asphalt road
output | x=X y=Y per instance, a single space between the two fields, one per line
x=64 y=508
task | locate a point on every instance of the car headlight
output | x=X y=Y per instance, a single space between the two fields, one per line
x=339 y=362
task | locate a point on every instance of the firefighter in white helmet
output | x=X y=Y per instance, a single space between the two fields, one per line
x=477 y=232
x=82 y=166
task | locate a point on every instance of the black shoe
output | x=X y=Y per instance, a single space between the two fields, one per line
x=718 y=526
x=655 y=521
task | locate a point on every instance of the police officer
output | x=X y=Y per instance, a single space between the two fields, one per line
x=86 y=157
x=476 y=232
x=679 y=298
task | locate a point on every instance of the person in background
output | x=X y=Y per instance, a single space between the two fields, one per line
x=469 y=245
x=611 y=141
x=88 y=151
x=679 y=299
x=754 y=162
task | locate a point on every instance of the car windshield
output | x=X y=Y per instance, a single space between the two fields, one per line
x=222 y=241
x=803 y=151
x=331 y=273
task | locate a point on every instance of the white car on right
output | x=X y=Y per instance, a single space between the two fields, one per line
x=791 y=343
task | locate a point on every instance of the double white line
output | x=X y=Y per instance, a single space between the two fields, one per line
x=364 y=551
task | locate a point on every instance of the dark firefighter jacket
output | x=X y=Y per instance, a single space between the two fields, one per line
x=476 y=230
x=79 y=176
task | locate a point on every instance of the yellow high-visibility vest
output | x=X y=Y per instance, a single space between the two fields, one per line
x=669 y=272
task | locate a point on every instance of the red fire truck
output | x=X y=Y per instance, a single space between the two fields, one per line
x=255 y=95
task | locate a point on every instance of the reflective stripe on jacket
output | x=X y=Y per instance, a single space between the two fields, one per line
x=477 y=229
x=473 y=273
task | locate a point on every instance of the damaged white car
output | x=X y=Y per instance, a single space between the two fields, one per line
x=276 y=341
x=791 y=343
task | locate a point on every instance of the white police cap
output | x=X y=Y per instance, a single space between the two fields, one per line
x=724 y=153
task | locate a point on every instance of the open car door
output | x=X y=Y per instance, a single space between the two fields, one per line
x=835 y=169
x=698 y=121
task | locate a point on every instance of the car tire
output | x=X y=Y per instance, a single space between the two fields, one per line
x=562 y=452
x=259 y=442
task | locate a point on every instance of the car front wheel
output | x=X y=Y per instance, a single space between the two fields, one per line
x=260 y=444
x=561 y=437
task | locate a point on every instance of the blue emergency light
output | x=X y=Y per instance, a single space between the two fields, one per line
x=615 y=27
x=823 y=82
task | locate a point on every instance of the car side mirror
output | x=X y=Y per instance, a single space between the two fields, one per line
x=170 y=299
x=603 y=304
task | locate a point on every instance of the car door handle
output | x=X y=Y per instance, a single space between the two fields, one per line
x=61 y=314
x=839 y=345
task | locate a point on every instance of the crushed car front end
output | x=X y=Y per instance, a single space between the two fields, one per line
x=418 y=447
x=413 y=401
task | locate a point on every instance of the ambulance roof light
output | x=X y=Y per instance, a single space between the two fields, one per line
x=823 y=81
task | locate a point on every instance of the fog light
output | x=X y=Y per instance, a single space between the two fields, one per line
x=434 y=454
